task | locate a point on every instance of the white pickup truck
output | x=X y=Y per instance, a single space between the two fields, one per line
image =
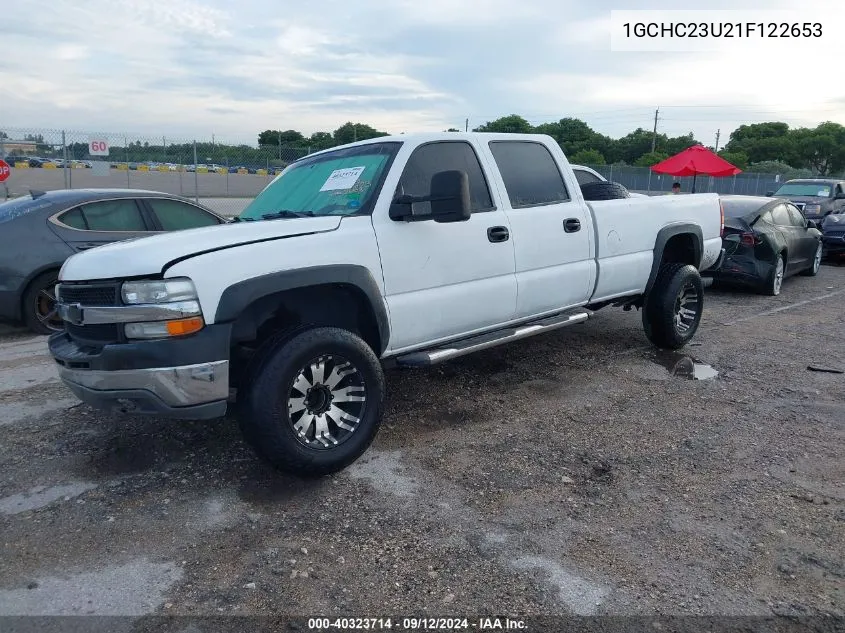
x=405 y=250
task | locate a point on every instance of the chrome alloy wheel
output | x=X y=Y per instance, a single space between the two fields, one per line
x=778 y=281
x=326 y=402
x=687 y=307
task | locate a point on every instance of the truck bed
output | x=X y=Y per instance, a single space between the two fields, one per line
x=624 y=233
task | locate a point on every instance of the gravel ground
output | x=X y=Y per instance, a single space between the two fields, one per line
x=568 y=474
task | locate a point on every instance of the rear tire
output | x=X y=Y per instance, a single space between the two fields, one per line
x=315 y=402
x=604 y=191
x=813 y=270
x=673 y=309
x=39 y=304
x=774 y=282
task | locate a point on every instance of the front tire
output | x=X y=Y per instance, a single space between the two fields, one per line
x=315 y=403
x=813 y=270
x=672 y=311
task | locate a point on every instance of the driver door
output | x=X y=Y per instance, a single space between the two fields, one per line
x=451 y=279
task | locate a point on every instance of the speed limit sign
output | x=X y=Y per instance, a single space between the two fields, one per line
x=98 y=147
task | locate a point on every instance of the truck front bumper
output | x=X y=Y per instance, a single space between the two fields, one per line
x=184 y=378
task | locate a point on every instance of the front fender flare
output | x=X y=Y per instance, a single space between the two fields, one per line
x=237 y=297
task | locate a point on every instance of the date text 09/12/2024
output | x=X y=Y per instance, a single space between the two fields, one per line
x=416 y=624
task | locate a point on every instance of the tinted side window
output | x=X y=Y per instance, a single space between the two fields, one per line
x=583 y=176
x=531 y=175
x=74 y=219
x=113 y=215
x=780 y=215
x=429 y=159
x=174 y=215
x=767 y=217
x=797 y=217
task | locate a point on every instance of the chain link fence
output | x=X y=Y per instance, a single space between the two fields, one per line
x=643 y=180
x=225 y=176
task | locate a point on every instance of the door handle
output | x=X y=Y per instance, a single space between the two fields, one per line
x=498 y=234
x=571 y=225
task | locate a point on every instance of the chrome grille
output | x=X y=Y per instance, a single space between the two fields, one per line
x=98 y=294
x=89 y=295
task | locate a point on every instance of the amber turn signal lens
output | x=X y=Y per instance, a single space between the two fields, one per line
x=184 y=326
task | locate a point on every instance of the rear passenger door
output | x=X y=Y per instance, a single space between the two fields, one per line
x=805 y=243
x=551 y=231
x=785 y=223
x=102 y=222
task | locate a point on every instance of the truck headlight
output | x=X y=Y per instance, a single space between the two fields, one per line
x=158 y=291
x=812 y=208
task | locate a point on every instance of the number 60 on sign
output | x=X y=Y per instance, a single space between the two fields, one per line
x=98 y=147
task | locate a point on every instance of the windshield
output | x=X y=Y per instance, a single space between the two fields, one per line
x=341 y=182
x=820 y=190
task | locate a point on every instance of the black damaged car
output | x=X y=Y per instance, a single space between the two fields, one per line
x=766 y=240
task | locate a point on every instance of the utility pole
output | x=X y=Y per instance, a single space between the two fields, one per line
x=654 y=134
x=466 y=125
x=718 y=132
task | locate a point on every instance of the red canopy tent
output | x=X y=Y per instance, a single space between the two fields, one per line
x=693 y=161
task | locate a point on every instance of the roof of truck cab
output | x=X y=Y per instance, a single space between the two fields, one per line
x=419 y=138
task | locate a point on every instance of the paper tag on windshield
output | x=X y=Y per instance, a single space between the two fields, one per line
x=342 y=178
x=822 y=193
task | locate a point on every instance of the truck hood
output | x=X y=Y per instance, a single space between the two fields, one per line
x=151 y=255
x=810 y=199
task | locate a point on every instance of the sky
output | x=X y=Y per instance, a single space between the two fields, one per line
x=189 y=69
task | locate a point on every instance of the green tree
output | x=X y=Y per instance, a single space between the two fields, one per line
x=786 y=171
x=587 y=157
x=277 y=137
x=740 y=159
x=512 y=123
x=677 y=144
x=769 y=141
x=634 y=144
x=651 y=158
x=821 y=149
x=452 y=129
x=3 y=134
x=350 y=132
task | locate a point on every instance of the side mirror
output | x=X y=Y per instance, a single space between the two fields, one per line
x=839 y=196
x=812 y=224
x=450 y=201
x=769 y=194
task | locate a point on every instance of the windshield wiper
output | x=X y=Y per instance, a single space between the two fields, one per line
x=238 y=218
x=284 y=213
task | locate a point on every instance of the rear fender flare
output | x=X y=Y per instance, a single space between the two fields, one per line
x=663 y=236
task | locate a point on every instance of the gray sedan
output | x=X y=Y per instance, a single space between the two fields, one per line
x=38 y=232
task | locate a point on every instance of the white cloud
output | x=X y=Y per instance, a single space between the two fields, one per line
x=189 y=68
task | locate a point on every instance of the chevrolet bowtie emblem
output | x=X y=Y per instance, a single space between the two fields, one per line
x=71 y=312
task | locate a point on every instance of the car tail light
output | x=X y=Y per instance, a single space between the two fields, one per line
x=749 y=239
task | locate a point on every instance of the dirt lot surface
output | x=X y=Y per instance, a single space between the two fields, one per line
x=567 y=474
